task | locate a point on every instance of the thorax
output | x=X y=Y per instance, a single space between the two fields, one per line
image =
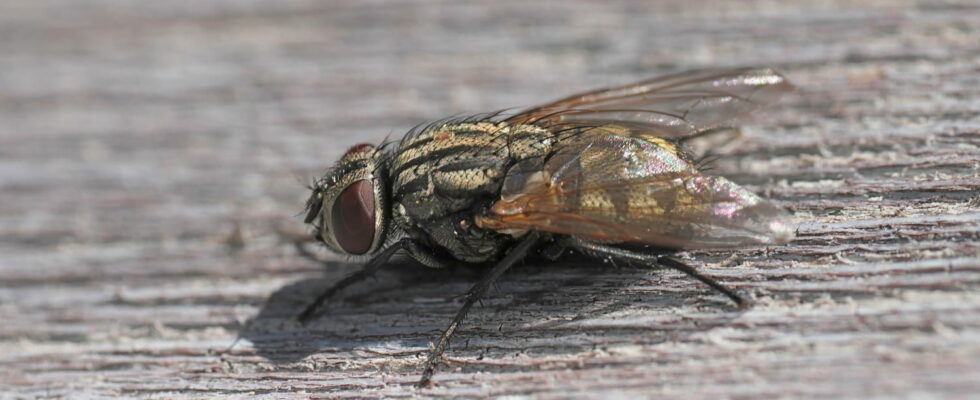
x=446 y=172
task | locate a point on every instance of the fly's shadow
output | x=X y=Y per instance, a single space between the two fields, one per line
x=539 y=308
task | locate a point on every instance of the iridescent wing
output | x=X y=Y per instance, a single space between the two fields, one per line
x=674 y=105
x=613 y=189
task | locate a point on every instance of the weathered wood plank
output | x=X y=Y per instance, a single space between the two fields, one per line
x=137 y=137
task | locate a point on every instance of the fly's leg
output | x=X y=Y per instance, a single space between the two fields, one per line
x=366 y=272
x=633 y=257
x=673 y=262
x=477 y=292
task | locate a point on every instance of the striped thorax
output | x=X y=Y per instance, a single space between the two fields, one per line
x=452 y=168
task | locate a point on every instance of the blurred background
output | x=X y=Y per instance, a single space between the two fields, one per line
x=152 y=154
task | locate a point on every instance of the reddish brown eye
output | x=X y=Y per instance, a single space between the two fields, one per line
x=357 y=148
x=353 y=217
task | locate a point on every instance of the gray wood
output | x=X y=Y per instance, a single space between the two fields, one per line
x=151 y=152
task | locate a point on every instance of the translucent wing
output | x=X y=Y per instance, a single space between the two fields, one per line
x=625 y=189
x=675 y=105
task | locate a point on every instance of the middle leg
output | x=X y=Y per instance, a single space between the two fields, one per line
x=477 y=292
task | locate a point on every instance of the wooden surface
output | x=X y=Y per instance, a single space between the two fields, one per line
x=150 y=152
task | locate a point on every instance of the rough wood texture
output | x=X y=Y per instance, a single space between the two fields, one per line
x=150 y=151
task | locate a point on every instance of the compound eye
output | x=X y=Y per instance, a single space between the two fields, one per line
x=353 y=217
x=357 y=148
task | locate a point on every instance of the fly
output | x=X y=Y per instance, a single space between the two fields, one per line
x=603 y=173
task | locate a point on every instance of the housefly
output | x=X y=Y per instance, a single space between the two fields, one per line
x=604 y=173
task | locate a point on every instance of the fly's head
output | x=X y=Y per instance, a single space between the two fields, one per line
x=348 y=207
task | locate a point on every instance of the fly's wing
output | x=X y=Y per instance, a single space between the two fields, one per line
x=624 y=189
x=675 y=105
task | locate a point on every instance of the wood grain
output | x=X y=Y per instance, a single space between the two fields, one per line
x=151 y=152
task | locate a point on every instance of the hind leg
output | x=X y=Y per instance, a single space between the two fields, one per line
x=662 y=259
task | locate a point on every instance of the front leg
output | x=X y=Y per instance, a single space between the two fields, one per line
x=367 y=271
